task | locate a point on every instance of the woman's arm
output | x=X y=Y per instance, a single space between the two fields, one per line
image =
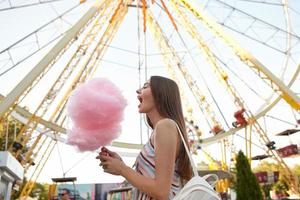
x=166 y=144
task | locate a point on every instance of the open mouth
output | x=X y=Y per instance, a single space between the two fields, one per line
x=140 y=100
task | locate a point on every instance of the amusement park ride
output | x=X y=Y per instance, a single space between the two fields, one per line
x=79 y=52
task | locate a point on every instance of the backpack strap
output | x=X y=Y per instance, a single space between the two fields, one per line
x=195 y=171
x=212 y=179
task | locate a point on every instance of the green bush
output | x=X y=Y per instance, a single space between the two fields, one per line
x=247 y=186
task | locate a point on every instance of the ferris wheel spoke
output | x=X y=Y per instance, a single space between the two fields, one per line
x=10 y=56
x=255 y=39
x=262 y=2
x=8 y=5
x=252 y=27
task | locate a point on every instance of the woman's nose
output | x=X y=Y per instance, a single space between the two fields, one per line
x=138 y=91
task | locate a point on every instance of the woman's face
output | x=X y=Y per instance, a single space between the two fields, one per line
x=145 y=98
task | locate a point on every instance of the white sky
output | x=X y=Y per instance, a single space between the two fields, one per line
x=120 y=64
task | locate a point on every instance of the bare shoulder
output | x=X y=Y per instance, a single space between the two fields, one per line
x=166 y=124
x=166 y=136
x=165 y=128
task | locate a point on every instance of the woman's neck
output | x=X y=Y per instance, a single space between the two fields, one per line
x=154 y=117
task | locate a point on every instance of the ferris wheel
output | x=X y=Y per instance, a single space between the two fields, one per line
x=236 y=62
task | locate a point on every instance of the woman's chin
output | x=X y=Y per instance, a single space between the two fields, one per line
x=141 y=110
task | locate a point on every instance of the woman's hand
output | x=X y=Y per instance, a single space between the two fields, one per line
x=107 y=152
x=110 y=161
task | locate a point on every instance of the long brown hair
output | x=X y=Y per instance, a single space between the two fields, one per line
x=168 y=103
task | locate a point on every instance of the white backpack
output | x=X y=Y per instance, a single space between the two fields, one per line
x=197 y=188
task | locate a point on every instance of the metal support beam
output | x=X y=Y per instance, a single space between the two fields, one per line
x=275 y=83
x=27 y=81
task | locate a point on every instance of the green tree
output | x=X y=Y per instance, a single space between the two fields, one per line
x=8 y=131
x=266 y=188
x=39 y=191
x=296 y=170
x=265 y=166
x=281 y=186
x=247 y=186
x=88 y=196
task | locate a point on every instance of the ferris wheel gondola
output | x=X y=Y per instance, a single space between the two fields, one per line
x=289 y=150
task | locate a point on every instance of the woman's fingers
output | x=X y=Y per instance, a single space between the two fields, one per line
x=102 y=156
x=104 y=159
x=105 y=150
x=113 y=154
x=104 y=164
x=110 y=153
x=109 y=161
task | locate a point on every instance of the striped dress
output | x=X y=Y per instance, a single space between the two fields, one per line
x=145 y=165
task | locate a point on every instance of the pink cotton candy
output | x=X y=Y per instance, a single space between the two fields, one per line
x=96 y=111
x=89 y=140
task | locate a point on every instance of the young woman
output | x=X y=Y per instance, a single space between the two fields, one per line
x=162 y=165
